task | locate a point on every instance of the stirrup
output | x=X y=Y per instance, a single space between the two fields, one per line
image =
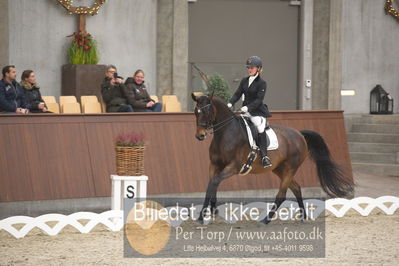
x=266 y=162
x=246 y=168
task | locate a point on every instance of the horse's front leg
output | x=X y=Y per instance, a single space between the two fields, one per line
x=213 y=184
x=213 y=171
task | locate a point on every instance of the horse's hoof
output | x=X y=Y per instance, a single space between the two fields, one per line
x=201 y=220
x=266 y=221
x=215 y=212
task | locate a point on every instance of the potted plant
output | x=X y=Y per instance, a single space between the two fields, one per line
x=130 y=154
x=82 y=75
x=83 y=49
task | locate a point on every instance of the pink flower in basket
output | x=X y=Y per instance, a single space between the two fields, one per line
x=130 y=139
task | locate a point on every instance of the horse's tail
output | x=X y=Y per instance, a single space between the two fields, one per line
x=330 y=174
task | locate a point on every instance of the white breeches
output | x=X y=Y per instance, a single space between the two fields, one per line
x=259 y=122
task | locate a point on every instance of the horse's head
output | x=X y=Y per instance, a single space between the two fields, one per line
x=204 y=113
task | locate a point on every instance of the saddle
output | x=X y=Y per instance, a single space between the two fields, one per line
x=252 y=134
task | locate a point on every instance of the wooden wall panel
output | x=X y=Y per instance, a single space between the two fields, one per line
x=45 y=160
x=169 y=159
x=73 y=156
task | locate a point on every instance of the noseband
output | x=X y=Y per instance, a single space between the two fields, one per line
x=208 y=124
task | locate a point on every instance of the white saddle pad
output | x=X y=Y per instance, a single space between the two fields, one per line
x=273 y=145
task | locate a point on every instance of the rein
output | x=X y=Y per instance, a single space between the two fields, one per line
x=225 y=122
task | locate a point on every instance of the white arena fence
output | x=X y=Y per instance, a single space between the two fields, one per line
x=113 y=220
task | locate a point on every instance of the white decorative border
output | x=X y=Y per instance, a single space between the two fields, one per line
x=355 y=204
x=113 y=219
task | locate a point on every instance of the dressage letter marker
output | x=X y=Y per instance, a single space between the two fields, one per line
x=127 y=187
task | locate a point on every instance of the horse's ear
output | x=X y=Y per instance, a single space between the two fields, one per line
x=194 y=97
x=211 y=95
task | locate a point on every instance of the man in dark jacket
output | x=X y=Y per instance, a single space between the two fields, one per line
x=114 y=92
x=12 y=98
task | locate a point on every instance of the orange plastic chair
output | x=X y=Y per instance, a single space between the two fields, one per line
x=173 y=107
x=70 y=108
x=92 y=108
x=67 y=99
x=171 y=100
x=49 y=99
x=87 y=99
x=155 y=98
x=53 y=107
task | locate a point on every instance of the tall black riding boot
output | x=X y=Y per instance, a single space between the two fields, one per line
x=262 y=139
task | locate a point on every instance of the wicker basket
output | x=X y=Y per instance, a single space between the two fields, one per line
x=130 y=160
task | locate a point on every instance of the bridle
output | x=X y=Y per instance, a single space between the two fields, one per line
x=209 y=125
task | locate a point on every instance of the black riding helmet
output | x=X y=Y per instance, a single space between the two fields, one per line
x=254 y=61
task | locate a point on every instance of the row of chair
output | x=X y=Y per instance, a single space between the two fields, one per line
x=89 y=104
x=69 y=105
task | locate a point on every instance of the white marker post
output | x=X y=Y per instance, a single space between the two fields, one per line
x=127 y=187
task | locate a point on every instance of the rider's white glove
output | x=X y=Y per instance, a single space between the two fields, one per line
x=244 y=109
x=229 y=105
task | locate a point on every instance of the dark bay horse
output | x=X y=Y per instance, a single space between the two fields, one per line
x=229 y=150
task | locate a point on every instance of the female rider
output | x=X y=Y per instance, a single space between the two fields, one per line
x=254 y=89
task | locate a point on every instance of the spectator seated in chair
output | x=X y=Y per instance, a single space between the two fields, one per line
x=12 y=97
x=114 y=92
x=32 y=93
x=141 y=100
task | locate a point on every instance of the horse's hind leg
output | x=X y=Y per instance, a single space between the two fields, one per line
x=280 y=198
x=296 y=189
x=286 y=173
